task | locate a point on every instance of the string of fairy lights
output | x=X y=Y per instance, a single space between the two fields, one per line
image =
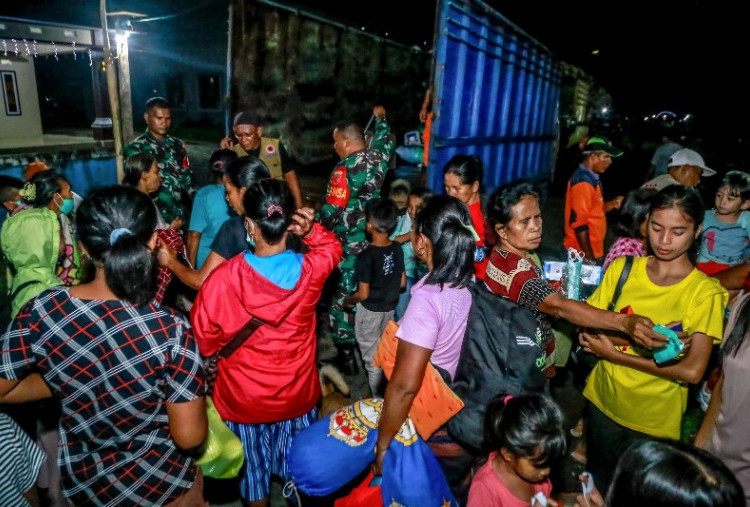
x=29 y=48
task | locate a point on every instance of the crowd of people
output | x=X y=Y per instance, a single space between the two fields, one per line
x=94 y=334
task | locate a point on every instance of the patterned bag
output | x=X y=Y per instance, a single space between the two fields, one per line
x=211 y=364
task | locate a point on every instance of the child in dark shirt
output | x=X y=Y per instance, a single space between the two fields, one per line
x=379 y=271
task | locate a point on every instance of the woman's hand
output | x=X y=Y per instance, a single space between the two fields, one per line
x=302 y=222
x=176 y=224
x=377 y=466
x=641 y=329
x=593 y=499
x=597 y=344
x=166 y=255
x=684 y=336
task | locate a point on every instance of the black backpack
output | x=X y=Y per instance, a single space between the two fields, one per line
x=498 y=356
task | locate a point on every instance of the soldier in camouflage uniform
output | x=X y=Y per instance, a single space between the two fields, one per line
x=354 y=181
x=177 y=188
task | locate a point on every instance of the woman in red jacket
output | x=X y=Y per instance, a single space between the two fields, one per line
x=267 y=390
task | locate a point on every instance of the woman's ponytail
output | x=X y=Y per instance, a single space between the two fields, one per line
x=114 y=226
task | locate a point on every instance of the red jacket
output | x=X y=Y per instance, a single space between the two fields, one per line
x=273 y=376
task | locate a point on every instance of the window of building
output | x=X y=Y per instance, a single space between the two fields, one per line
x=175 y=91
x=209 y=88
x=10 y=93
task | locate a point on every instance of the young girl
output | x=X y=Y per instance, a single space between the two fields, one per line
x=668 y=474
x=726 y=229
x=527 y=433
x=630 y=228
x=724 y=431
x=631 y=395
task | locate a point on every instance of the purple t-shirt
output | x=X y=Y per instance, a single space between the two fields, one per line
x=436 y=319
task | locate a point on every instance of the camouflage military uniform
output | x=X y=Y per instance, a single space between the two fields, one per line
x=356 y=180
x=177 y=188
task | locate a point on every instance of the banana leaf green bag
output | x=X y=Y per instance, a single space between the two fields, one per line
x=223 y=454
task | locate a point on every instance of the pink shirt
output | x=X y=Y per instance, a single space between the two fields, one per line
x=487 y=490
x=436 y=319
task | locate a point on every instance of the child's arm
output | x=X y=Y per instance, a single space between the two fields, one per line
x=709 y=421
x=403 y=238
x=403 y=280
x=689 y=370
x=363 y=292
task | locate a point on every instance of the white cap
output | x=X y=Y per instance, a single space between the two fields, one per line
x=686 y=156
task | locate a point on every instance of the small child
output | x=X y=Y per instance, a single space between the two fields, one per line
x=528 y=433
x=725 y=240
x=630 y=228
x=379 y=270
x=399 y=194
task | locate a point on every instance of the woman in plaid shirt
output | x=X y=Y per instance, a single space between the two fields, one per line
x=126 y=371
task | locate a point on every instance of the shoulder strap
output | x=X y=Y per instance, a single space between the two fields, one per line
x=22 y=287
x=620 y=282
x=240 y=338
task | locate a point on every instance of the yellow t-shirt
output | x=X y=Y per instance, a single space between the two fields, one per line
x=637 y=400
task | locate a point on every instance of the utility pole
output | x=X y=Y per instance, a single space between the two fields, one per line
x=113 y=92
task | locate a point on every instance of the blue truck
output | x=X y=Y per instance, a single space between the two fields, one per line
x=496 y=94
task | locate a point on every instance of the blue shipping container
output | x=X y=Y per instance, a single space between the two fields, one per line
x=496 y=95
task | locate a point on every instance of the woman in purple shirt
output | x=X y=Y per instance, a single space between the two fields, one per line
x=432 y=328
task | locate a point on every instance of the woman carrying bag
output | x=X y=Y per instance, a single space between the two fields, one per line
x=266 y=391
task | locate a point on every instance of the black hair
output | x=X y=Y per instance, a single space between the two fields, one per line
x=688 y=200
x=350 y=131
x=633 y=212
x=9 y=186
x=444 y=220
x=382 y=214
x=502 y=200
x=271 y=206
x=220 y=160
x=421 y=192
x=114 y=225
x=741 y=329
x=159 y=102
x=467 y=167
x=135 y=166
x=529 y=426
x=738 y=183
x=246 y=171
x=399 y=187
x=674 y=474
x=47 y=184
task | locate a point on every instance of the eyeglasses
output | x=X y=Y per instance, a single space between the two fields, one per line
x=244 y=134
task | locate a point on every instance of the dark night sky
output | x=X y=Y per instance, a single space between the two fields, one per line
x=683 y=55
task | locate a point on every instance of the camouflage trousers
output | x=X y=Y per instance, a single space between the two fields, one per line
x=342 y=321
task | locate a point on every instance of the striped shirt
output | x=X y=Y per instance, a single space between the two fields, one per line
x=20 y=459
x=113 y=366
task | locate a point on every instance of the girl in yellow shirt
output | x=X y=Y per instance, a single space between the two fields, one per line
x=631 y=395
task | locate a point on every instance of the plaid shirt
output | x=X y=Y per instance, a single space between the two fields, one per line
x=113 y=366
x=625 y=246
